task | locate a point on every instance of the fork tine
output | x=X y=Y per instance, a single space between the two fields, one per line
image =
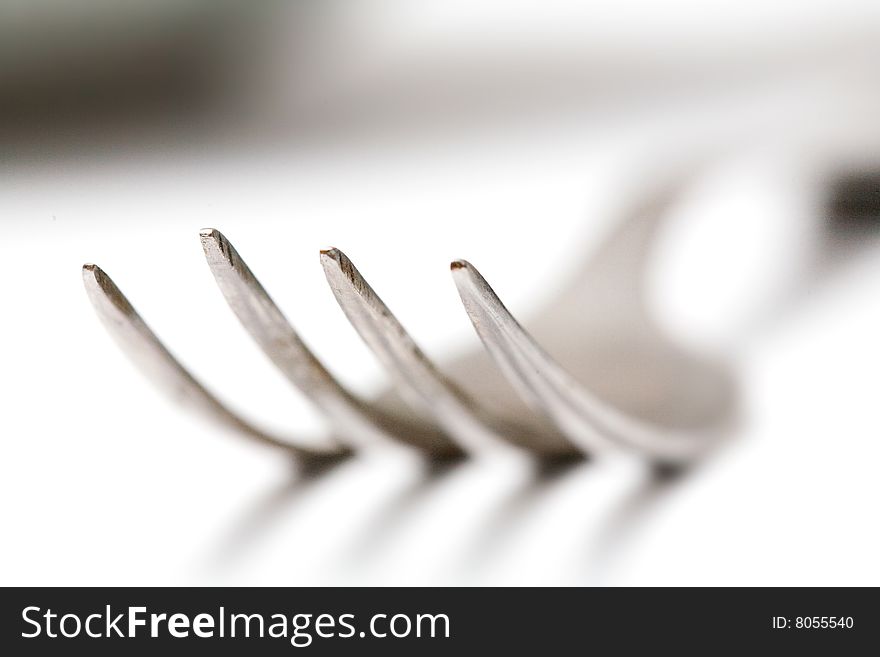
x=549 y=388
x=159 y=365
x=415 y=375
x=261 y=317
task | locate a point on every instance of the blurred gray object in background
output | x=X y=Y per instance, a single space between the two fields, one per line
x=74 y=70
x=230 y=69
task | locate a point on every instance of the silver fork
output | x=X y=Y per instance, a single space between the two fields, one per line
x=675 y=415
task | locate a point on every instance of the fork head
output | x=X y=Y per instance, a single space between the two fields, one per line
x=570 y=417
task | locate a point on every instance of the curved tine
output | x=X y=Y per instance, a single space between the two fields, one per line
x=259 y=315
x=549 y=388
x=416 y=376
x=156 y=362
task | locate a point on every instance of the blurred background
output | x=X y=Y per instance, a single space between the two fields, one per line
x=513 y=134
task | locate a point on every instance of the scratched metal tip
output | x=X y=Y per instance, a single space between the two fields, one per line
x=92 y=271
x=332 y=253
x=102 y=289
x=212 y=239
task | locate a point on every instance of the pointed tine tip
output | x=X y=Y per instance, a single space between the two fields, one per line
x=336 y=263
x=212 y=239
x=465 y=272
x=462 y=267
x=211 y=234
x=93 y=274
x=218 y=250
x=101 y=289
x=332 y=253
x=473 y=288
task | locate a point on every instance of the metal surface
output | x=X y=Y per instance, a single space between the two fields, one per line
x=361 y=423
x=417 y=378
x=670 y=405
x=160 y=366
x=546 y=385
